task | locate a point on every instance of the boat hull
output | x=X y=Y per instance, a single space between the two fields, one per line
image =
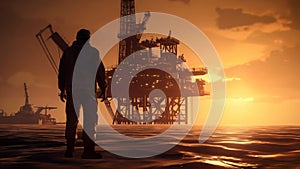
x=23 y=120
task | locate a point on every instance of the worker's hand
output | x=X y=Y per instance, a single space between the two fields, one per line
x=62 y=96
x=102 y=94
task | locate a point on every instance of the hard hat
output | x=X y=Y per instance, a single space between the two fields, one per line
x=83 y=34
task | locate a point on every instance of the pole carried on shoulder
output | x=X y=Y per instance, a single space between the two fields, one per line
x=57 y=39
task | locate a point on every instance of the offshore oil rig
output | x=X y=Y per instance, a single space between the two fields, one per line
x=139 y=108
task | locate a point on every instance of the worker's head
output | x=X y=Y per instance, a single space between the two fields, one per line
x=83 y=35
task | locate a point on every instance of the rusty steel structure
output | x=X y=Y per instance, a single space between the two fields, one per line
x=140 y=107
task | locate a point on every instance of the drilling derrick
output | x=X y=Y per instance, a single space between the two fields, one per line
x=128 y=26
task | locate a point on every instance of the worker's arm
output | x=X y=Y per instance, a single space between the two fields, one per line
x=61 y=77
x=100 y=77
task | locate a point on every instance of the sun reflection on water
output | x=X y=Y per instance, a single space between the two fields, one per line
x=222 y=161
x=242 y=142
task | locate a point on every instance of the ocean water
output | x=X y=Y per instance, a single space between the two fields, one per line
x=34 y=147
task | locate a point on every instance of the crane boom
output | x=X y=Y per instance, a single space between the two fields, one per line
x=142 y=26
x=57 y=39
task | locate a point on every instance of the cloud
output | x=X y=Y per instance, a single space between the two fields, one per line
x=273 y=79
x=288 y=38
x=270 y=99
x=240 y=99
x=19 y=78
x=184 y=1
x=232 y=18
x=20 y=46
x=20 y=51
x=230 y=79
x=294 y=6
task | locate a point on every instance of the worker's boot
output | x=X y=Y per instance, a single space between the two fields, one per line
x=91 y=155
x=89 y=148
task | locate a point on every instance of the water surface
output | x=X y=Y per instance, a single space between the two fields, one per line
x=34 y=146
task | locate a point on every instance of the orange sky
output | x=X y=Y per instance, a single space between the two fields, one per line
x=257 y=41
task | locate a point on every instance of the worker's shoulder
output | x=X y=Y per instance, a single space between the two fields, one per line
x=85 y=49
x=92 y=49
x=69 y=50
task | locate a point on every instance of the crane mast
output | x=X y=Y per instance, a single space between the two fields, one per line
x=26 y=95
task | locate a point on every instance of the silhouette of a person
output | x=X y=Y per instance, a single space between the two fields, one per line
x=87 y=97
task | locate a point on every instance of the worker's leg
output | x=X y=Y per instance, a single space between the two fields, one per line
x=90 y=119
x=71 y=126
x=89 y=144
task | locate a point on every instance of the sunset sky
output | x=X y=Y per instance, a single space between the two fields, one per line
x=257 y=41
